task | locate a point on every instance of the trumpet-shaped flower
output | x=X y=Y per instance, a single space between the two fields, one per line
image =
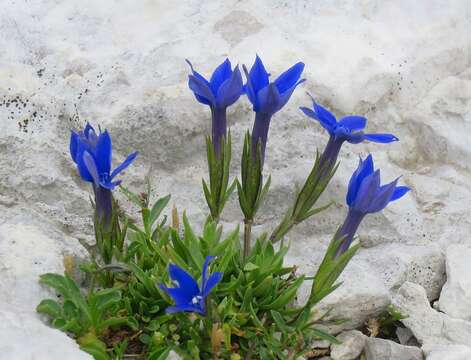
x=349 y=128
x=187 y=295
x=269 y=97
x=92 y=153
x=365 y=196
x=221 y=91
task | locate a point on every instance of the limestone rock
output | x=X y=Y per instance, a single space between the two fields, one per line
x=351 y=346
x=430 y=327
x=121 y=66
x=455 y=298
x=450 y=352
x=381 y=349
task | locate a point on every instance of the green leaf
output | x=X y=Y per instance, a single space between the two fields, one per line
x=158 y=207
x=250 y=267
x=286 y=296
x=49 y=307
x=97 y=349
x=321 y=335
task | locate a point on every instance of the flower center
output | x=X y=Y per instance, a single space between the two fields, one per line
x=196 y=299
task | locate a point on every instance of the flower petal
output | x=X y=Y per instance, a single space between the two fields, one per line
x=178 y=295
x=222 y=73
x=268 y=100
x=230 y=91
x=399 y=192
x=258 y=76
x=353 y=122
x=185 y=280
x=325 y=117
x=201 y=89
x=103 y=153
x=289 y=78
x=381 y=138
x=382 y=197
x=124 y=164
x=308 y=112
x=73 y=145
x=205 y=270
x=213 y=280
x=367 y=190
x=90 y=164
x=249 y=89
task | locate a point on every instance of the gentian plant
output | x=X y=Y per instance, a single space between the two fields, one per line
x=152 y=285
x=267 y=98
x=221 y=91
x=348 y=129
x=92 y=153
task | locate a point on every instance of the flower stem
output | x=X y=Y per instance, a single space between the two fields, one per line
x=247 y=236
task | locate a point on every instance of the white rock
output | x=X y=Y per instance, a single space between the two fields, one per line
x=455 y=298
x=381 y=349
x=130 y=77
x=450 y=352
x=430 y=327
x=351 y=346
x=25 y=337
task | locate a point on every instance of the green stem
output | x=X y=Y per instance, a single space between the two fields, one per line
x=247 y=236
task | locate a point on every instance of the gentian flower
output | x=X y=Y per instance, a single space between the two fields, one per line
x=92 y=154
x=268 y=97
x=349 y=128
x=187 y=295
x=221 y=91
x=366 y=196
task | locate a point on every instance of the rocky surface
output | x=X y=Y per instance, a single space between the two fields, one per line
x=431 y=328
x=380 y=349
x=455 y=298
x=450 y=352
x=121 y=65
x=351 y=345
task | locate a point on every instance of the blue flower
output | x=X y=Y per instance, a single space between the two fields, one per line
x=221 y=91
x=365 y=196
x=187 y=295
x=269 y=97
x=92 y=153
x=349 y=128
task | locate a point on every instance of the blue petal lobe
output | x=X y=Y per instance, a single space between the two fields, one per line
x=230 y=90
x=289 y=78
x=221 y=74
x=205 y=270
x=128 y=161
x=367 y=190
x=308 y=112
x=399 y=192
x=353 y=122
x=73 y=145
x=178 y=295
x=201 y=89
x=258 y=76
x=82 y=168
x=185 y=280
x=325 y=117
x=268 y=99
x=249 y=89
x=381 y=138
x=103 y=153
x=90 y=164
x=382 y=197
x=213 y=280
